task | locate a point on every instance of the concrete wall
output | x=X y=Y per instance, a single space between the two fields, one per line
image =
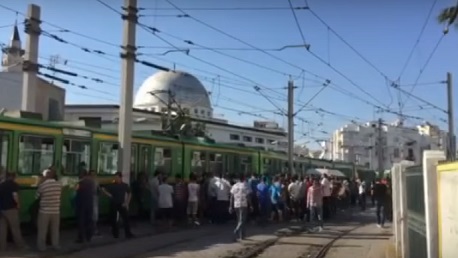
x=447 y=210
x=10 y=90
x=47 y=93
x=440 y=221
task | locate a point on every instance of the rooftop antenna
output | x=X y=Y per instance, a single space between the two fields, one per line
x=54 y=60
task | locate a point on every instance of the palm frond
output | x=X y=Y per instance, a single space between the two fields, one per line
x=447 y=14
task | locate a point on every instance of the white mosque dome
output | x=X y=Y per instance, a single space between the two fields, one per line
x=187 y=90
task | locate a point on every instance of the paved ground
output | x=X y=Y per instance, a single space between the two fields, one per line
x=359 y=238
x=285 y=240
x=68 y=237
x=366 y=241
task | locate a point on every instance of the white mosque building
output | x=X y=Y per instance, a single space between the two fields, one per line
x=164 y=89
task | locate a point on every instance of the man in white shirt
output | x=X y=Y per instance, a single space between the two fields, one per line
x=222 y=189
x=326 y=184
x=295 y=196
x=193 y=199
x=362 y=194
x=212 y=200
x=165 y=201
x=240 y=203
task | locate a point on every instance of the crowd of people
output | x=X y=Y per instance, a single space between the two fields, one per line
x=218 y=198
x=205 y=198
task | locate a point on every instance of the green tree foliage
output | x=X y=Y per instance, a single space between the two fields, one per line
x=448 y=16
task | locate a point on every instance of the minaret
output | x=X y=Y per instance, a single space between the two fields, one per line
x=12 y=54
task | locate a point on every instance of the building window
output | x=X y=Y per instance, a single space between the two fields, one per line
x=54 y=110
x=260 y=140
x=234 y=137
x=209 y=114
x=196 y=111
x=396 y=153
x=202 y=112
x=247 y=138
x=410 y=155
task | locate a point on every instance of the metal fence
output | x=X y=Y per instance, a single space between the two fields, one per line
x=416 y=223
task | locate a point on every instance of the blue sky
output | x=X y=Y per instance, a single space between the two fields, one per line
x=383 y=33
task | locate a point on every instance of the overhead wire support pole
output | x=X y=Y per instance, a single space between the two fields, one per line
x=127 y=87
x=380 y=147
x=30 y=64
x=451 y=153
x=291 y=127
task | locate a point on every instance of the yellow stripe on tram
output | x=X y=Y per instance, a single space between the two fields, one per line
x=114 y=138
x=219 y=150
x=29 y=128
x=27 y=181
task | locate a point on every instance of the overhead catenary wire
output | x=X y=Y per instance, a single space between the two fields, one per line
x=325 y=85
x=6 y=26
x=98 y=52
x=250 y=45
x=417 y=41
x=422 y=70
x=422 y=84
x=193 y=43
x=94 y=49
x=88 y=50
x=223 y=8
x=332 y=67
x=257 y=85
x=341 y=38
x=242 y=41
x=154 y=32
x=340 y=89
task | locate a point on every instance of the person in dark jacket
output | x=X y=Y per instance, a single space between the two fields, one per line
x=84 y=202
x=379 y=193
x=120 y=196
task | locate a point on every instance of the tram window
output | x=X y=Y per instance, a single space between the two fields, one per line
x=216 y=162
x=107 y=158
x=245 y=163
x=133 y=158
x=145 y=158
x=198 y=162
x=36 y=153
x=267 y=165
x=76 y=156
x=163 y=160
x=3 y=151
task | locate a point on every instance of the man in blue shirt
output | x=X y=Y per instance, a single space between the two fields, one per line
x=275 y=198
x=252 y=184
x=262 y=193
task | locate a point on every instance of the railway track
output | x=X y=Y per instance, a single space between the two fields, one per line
x=312 y=245
x=322 y=251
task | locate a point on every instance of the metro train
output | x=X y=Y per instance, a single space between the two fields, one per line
x=28 y=146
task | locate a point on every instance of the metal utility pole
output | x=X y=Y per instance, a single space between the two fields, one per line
x=30 y=65
x=169 y=110
x=451 y=153
x=380 y=146
x=127 y=87
x=290 y=127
